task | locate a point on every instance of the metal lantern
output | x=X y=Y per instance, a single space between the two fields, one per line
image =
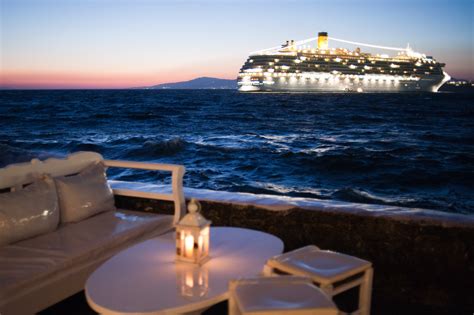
x=192 y=236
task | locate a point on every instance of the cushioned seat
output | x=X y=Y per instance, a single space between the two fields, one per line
x=333 y=272
x=50 y=260
x=278 y=295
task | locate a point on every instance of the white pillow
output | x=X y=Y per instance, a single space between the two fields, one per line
x=85 y=194
x=29 y=212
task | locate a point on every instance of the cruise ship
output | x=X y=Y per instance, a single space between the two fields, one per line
x=299 y=67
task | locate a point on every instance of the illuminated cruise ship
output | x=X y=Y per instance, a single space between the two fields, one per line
x=296 y=66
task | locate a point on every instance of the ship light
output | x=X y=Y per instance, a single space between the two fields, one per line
x=337 y=59
x=394 y=66
x=367 y=67
x=276 y=60
x=353 y=66
x=268 y=80
x=253 y=70
x=270 y=63
x=297 y=61
x=303 y=58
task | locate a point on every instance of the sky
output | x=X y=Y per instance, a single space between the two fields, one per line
x=131 y=43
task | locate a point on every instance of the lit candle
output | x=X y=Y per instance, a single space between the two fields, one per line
x=189 y=246
x=200 y=243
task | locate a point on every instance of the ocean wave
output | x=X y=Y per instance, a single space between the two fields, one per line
x=360 y=196
x=13 y=154
x=153 y=149
x=402 y=150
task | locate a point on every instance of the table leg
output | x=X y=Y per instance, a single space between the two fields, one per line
x=365 y=292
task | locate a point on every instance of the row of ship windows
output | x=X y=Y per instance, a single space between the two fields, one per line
x=335 y=72
x=334 y=64
x=337 y=59
x=355 y=71
x=365 y=61
x=339 y=67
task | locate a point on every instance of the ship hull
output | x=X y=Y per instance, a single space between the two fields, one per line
x=330 y=83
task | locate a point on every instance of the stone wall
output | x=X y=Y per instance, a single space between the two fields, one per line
x=422 y=265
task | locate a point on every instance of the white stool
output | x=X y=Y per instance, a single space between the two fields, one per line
x=333 y=272
x=278 y=295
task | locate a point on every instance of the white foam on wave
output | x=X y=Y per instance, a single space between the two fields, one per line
x=284 y=203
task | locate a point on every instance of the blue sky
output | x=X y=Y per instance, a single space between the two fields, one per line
x=107 y=43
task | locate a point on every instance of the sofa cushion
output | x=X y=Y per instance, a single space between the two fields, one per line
x=28 y=212
x=27 y=265
x=84 y=194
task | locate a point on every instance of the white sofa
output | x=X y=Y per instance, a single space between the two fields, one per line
x=42 y=270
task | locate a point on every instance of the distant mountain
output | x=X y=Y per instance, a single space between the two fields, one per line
x=198 y=83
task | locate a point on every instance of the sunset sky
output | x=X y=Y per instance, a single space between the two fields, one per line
x=129 y=43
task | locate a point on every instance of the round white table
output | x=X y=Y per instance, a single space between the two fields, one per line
x=146 y=279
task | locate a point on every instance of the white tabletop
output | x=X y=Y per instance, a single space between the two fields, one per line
x=146 y=279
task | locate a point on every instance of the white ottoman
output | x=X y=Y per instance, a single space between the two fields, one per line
x=278 y=295
x=333 y=272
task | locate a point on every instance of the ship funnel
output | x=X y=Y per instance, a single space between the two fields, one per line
x=323 y=40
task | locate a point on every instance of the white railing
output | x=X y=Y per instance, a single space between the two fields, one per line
x=177 y=173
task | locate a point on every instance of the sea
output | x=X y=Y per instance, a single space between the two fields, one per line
x=409 y=150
